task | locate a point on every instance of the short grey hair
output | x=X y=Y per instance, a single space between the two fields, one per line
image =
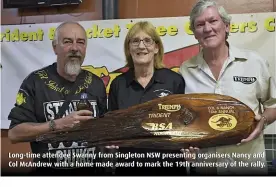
x=57 y=31
x=201 y=5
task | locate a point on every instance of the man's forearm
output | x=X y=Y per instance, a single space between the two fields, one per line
x=270 y=115
x=26 y=132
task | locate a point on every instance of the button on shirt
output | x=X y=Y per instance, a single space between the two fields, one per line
x=244 y=76
x=125 y=91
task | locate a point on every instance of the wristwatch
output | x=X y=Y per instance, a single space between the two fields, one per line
x=52 y=125
x=265 y=121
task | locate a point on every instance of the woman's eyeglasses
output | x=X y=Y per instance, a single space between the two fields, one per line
x=146 y=41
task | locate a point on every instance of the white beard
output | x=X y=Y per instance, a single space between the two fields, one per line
x=72 y=67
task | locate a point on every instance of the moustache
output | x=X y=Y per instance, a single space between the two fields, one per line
x=74 y=56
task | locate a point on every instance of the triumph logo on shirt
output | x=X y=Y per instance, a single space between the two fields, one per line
x=244 y=80
x=69 y=154
x=162 y=92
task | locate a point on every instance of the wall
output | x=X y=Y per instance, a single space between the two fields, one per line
x=88 y=10
x=174 y=8
x=92 y=10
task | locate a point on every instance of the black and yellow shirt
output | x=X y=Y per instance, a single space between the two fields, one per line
x=40 y=97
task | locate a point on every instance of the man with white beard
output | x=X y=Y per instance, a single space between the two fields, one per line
x=41 y=96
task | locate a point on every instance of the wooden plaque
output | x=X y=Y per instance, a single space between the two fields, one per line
x=171 y=122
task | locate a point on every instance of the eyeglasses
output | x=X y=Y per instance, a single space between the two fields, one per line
x=146 y=41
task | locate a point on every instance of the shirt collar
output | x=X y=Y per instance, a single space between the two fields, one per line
x=234 y=54
x=157 y=76
x=130 y=76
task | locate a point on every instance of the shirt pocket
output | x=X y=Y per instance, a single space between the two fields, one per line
x=244 y=92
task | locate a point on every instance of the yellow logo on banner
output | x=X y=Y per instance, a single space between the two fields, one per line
x=20 y=99
x=222 y=122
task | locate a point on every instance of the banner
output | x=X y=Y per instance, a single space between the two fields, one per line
x=26 y=48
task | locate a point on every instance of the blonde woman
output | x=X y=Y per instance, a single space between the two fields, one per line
x=146 y=79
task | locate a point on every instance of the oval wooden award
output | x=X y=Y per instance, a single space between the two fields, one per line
x=171 y=122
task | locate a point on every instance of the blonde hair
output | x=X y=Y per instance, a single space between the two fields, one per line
x=149 y=29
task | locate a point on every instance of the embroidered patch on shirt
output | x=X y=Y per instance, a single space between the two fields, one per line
x=21 y=97
x=244 y=80
x=162 y=92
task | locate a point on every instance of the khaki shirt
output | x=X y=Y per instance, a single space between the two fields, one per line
x=244 y=76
